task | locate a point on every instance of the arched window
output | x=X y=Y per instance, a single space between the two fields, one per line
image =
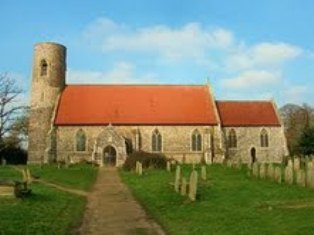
x=80 y=141
x=264 y=138
x=196 y=141
x=232 y=139
x=156 y=141
x=43 y=68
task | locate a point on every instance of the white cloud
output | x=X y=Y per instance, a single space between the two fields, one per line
x=191 y=41
x=122 y=72
x=252 y=79
x=246 y=70
x=262 y=55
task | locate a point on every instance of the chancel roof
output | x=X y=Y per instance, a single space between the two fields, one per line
x=247 y=113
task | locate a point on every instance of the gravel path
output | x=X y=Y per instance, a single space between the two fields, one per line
x=111 y=209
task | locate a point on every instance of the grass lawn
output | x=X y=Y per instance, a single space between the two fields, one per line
x=80 y=176
x=229 y=202
x=47 y=210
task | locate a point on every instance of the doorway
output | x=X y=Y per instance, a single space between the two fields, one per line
x=253 y=155
x=110 y=156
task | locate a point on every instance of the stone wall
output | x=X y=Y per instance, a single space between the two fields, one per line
x=249 y=137
x=176 y=141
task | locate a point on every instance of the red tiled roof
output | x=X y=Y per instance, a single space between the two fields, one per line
x=135 y=105
x=247 y=113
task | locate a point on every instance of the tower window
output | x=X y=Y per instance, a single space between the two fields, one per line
x=43 y=68
x=196 y=141
x=156 y=141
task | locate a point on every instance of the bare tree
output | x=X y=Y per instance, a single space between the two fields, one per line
x=296 y=119
x=10 y=107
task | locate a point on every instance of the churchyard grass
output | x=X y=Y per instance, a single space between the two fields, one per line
x=78 y=176
x=47 y=210
x=228 y=202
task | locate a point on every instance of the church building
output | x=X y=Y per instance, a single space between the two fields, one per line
x=106 y=123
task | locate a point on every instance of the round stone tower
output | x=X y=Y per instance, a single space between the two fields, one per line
x=48 y=81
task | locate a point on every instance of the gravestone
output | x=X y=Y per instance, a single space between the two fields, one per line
x=290 y=163
x=262 y=171
x=249 y=165
x=203 y=173
x=300 y=178
x=193 y=185
x=229 y=163
x=289 y=175
x=177 y=179
x=296 y=164
x=310 y=178
x=270 y=171
x=239 y=164
x=4 y=162
x=183 y=186
x=168 y=166
x=278 y=174
x=309 y=165
x=255 y=169
x=140 y=168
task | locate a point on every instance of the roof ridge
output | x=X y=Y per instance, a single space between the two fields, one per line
x=117 y=84
x=248 y=101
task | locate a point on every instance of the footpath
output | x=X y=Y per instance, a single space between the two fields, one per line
x=111 y=209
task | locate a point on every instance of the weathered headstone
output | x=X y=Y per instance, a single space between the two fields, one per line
x=193 y=185
x=300 y=178
x=290 y=163
x=203 y=173
x=310 y=165
x=183 y=186
x=278 y=174
x=177 y=179
x=168 y=166
x=262 y=171
x=296 y=164
x=229 y=163
x=136 y=167
x=249 y=165
x=310 y=178
x=140 y=168
x=4 y=162
x=239 y=164
x=270 y=171
x=289 y=175
x=255 y=169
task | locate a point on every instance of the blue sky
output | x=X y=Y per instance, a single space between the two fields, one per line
x=246 y=49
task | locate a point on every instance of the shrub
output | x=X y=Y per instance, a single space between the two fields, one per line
x=148 y=160
x=14 y=155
